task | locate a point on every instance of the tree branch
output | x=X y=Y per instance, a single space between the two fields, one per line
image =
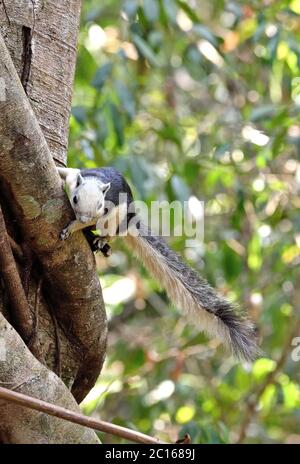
x=17 y=298
x=58 y=411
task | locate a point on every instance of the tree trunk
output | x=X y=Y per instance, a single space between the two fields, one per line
x=59 y=279
x=24 y=373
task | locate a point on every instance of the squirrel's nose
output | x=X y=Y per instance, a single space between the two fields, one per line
x=84 y=219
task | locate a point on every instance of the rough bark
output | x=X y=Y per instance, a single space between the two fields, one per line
x=21 y=371
x=60 y=278
x=41 y=38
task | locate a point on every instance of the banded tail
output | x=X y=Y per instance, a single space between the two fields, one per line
x=216 y=316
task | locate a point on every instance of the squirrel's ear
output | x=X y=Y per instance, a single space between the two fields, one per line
x=79 y=180
x=105 y=188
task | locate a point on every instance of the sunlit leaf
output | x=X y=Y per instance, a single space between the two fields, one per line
x=262 y=367
x=185 y=414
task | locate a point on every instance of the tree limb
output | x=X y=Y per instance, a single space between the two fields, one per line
x=58 y=411
x=17 y=298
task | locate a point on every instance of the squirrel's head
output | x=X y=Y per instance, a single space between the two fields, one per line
x=87 y=199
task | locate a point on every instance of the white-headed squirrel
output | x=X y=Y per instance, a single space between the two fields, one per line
x=95 y=197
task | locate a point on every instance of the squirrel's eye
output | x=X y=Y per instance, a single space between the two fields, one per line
x=75 y=200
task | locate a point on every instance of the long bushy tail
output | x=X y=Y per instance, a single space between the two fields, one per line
x=216 y=316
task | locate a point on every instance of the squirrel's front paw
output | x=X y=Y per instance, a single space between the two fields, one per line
x=65 y=233
x=106 y=250
x=100 y=244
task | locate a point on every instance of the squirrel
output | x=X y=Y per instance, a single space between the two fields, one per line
x=95 y=195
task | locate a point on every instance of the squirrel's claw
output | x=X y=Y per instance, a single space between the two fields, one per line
x=65 y=233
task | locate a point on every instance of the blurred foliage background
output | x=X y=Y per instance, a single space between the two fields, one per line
x=198 y=98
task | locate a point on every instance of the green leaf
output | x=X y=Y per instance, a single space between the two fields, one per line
x=126 y=99
x=232 y=263
x=155 y=39
x=171 y=10
x=262 y=367
x=151 y=10
x=259 y=31
x=139 y=175
x=94 y=13
x=102 y=128
x=205 y=33
x=221 y=150
x=262 y=112
x=145 y=50
x=102 y=75
x=130 y=8
x=117 y=123
x=188 y=10
x=86 y=66
x=169 y=132
x=180 y=189
x=80 y=114
x=254 y=253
